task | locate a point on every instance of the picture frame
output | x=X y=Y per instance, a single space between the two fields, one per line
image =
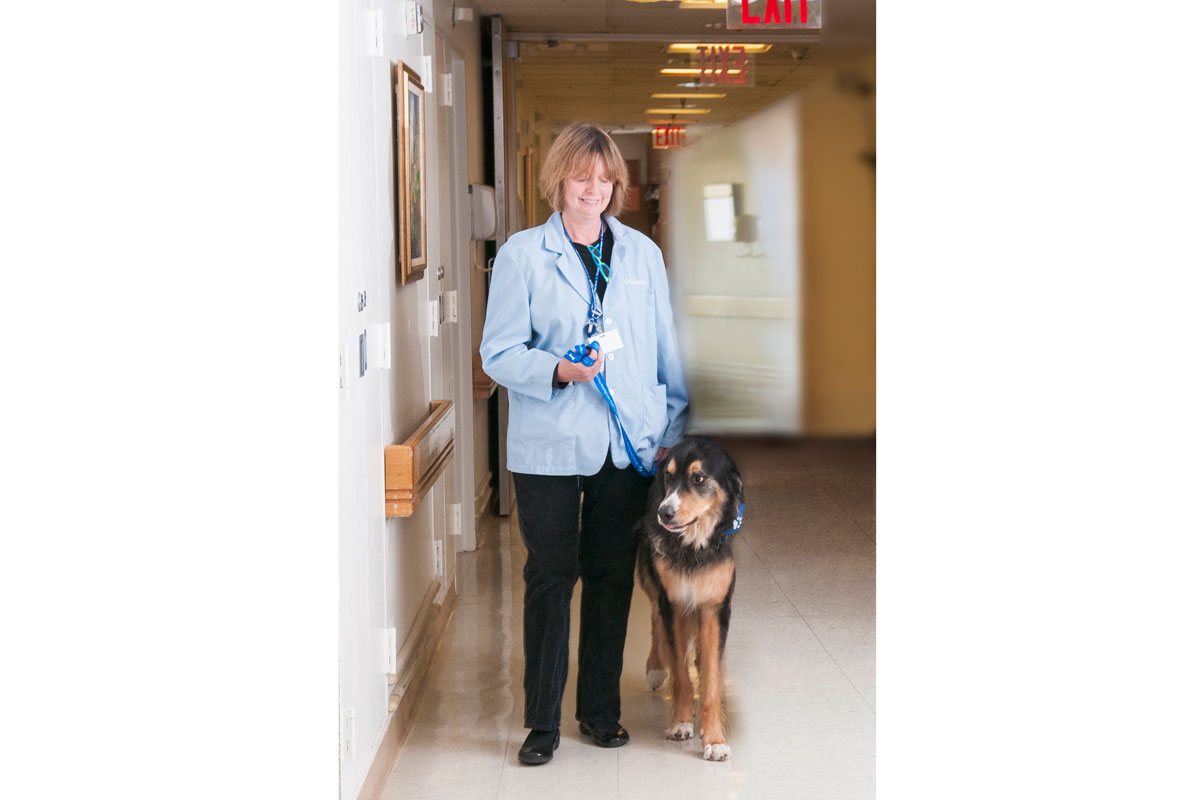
x=412 y=245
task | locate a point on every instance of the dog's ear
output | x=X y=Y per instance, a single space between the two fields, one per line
x=736 y=480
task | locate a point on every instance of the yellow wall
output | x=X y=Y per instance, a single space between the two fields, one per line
x=838 y=281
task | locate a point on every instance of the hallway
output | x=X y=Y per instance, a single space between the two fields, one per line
x=800 y=662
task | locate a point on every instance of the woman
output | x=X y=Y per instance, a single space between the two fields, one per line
x=581 y=277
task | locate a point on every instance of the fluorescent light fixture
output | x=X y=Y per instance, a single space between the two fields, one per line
x=687 y=95
x=677 y=110
x=694 y=71
x=669 y=121
x=687 y=47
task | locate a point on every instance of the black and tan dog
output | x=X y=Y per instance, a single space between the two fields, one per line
x=685 y=564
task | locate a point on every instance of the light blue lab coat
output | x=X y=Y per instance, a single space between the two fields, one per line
x=537 y=307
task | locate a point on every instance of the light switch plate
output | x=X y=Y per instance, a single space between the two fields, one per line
x=379 y=346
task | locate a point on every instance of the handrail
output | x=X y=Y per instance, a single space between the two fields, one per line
x=411 y=468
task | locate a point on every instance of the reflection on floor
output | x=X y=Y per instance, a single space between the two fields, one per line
x=800 y=660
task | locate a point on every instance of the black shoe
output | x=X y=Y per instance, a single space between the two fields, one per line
x=605 y=734
x=539 y=747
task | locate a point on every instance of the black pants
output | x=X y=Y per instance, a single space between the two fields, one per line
x=602 y=553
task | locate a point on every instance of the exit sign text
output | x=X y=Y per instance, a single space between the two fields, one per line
x=759 y=14
x=722 y=64
x=666 y=136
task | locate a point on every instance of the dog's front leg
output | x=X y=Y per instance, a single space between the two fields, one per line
x=711 y=684
x=681 y=681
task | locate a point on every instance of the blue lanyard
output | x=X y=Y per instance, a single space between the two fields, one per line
x=593 y=323
x=580 y=353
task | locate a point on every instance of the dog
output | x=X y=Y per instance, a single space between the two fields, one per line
x=685 y=565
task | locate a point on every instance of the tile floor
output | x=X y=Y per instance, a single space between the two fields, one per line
x=800 y=660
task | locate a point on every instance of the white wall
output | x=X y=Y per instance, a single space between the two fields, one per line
x=387 y=565
x=737 y=303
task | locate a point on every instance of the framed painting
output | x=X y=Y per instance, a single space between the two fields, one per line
x=411 y=242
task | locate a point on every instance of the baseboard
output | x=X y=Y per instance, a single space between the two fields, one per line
x=406 y=695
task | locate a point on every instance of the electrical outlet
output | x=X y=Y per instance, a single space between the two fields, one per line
x=373 y=27
x=344 y=371
x=439 y=558
x=435 y=313
x=348 y=743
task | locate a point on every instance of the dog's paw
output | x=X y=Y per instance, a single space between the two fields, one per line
x=717 y=752
x=655 y=678
x=680 y=731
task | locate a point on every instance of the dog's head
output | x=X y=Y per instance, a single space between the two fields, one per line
x=697 y=491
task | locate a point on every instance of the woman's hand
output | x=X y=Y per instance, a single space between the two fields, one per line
x=569 y=372
x=661 y=454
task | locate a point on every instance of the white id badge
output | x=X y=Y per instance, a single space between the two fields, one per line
x=609 y=341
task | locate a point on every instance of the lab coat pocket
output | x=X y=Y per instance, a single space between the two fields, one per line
x=559 y=424
x=654 y=415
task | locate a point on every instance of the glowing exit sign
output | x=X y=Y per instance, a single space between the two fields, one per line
x=772 y=14
x=668 y=136
x=723 y=64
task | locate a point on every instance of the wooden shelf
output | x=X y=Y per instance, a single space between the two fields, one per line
x=410 y=469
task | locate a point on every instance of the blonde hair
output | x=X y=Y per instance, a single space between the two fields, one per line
x=573 y=153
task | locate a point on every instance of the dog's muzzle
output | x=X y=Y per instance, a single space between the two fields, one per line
x=667 y=510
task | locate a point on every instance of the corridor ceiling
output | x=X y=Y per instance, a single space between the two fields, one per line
x=599 y=60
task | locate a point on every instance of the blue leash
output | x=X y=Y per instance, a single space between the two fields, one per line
x=580 y=356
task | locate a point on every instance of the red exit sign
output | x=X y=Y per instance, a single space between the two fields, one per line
x=722 y=63
x=743 y=14
x=666 y=136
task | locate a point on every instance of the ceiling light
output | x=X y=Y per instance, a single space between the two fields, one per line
x=684 y=47
x=677 y=110
x=669 y=121
x=694 y=71
x=688 y=95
